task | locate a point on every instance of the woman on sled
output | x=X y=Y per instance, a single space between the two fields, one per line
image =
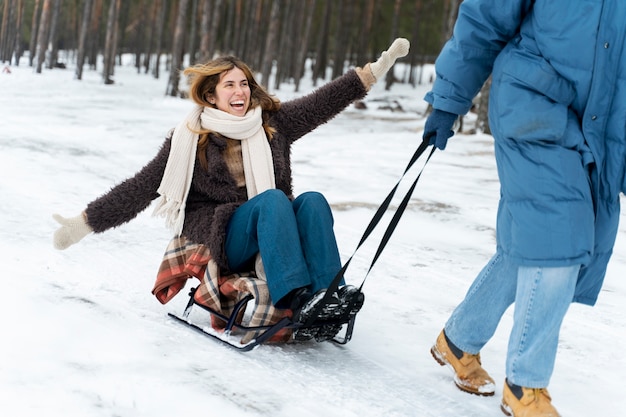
x=223 y=179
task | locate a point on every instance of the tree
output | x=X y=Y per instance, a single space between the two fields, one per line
x=390 y=78
x=193 y=32
x=82 y=39
x=270 y=42
x=342 y=38
x=43 y=32
x=51 y=58
x=110 y=41
x=94 y=34
x=177 y=49
x=18 y=32
x=321 y=60
x=365 y=29
x=205 y=24
x=307 y=11
x=415 y=39
x=160 y=24
x=215 y=24
x=4 y=30
x=147 y=58
x=275 y=36
x=33 y=33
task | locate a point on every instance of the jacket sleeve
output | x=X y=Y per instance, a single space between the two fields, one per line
x=481 y=31
x=298 y=117
x=129 y=198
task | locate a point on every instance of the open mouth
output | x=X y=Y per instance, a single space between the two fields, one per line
x=238 y=105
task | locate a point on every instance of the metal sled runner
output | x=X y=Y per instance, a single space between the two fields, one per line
x=245 y=338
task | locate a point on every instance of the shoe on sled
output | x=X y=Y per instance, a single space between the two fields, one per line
x=469 y=375
x=340 y=308
x=526 y=402
x=351 y=299
x=303 y=313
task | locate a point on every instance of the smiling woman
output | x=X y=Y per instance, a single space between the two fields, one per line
x=237 y=202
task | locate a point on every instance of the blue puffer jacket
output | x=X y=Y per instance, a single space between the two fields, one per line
x=558 y=116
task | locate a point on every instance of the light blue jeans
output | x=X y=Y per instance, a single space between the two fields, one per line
x=542 y=297
x=295 y=238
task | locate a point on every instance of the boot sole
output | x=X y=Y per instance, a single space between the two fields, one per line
x=438 y=357
x=506 y=410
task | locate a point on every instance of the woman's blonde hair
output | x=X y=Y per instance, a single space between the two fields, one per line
x=203 y=81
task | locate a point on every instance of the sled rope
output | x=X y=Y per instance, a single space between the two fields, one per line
x=334 y=285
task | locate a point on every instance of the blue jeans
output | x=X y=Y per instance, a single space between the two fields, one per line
x=542 y=297
x=296 y=241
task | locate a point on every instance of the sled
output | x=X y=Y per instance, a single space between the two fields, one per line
x=230 y=329
x=234 y=334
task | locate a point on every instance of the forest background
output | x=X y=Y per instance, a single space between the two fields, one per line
x=274 y=37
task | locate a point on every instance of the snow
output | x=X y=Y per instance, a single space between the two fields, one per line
x=83 y=336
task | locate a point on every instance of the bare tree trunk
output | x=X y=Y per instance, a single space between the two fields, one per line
x=321 y=59
x=391 y=78
x=243 y=20
x=110 y=42
x=18 y=34
x=229 y=19
x=342 y=37
x=415 y=44
x=82 y=40
x=42 y=37
x=365 y=32
x=94 y=35
x=147 y=58
x=237 y=25
x=270 y=42
x=4 y=30
x=293 y=34
x=177 y=49
x=123 y=17
x=207 y=11
x=159 y=46
x=215 y=24
x=284 y=57
x=250 y=33
x=309 y=8
x=34 y=26
x=256 y=37
x=451 y=9
x=141 y=25
x=52 y=37
x=10 y=30
x=193 y=32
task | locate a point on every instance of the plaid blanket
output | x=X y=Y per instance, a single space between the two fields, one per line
x=183 y=260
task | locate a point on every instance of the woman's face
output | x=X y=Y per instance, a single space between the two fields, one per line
x=232 y=93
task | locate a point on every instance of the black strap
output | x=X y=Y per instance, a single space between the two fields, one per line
x=334 y=285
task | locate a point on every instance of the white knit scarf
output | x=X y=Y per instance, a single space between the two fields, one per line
x=176 y=182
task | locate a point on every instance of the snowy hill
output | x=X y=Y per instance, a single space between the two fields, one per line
x=83 y=335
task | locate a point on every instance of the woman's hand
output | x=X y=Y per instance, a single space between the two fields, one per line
x=372 y=72
x=72 y=230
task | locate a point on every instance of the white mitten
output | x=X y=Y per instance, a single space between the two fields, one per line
x=72 y=230
x=398 y=49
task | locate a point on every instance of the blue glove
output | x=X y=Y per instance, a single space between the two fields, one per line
x=438 y=128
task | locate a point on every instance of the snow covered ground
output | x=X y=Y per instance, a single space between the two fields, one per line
x=83 y=336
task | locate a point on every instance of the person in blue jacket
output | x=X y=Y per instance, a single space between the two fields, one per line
x=557 y=112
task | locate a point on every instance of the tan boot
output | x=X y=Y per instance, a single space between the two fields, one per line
x=529 y=402
x=469 y=375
